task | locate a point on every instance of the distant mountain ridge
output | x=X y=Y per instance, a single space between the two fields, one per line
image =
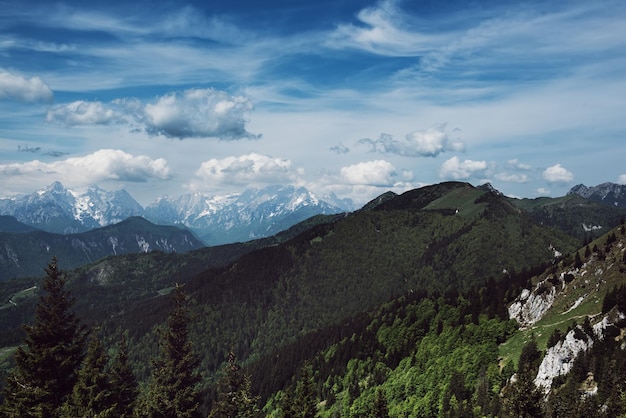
x=254 y=213
x=607 y=193
x=24 y=253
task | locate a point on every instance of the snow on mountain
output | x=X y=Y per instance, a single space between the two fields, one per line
x=608 y=193
x=254 y=213
x=57 y=209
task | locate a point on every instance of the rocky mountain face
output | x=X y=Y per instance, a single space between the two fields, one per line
x=567 y=292
x=60 y=210
x=608 y=193
x=246 y=216
x=215 y=219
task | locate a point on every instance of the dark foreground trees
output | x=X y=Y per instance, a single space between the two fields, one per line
x=173 y=390
x=48 y=363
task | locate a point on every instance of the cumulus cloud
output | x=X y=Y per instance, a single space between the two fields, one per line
x=250 y=169
x=18 y=87
x=461 y=170
x=622 y=179
x=557 y=174
x=429 y=143
x=543 y=192
x=102 y=165
x=373 y=173
x=199 y=113
x=193 y=113
x=365 y=180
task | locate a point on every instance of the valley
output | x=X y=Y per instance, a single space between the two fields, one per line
x=415 y=299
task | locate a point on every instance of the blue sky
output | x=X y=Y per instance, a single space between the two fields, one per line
x=350 y=97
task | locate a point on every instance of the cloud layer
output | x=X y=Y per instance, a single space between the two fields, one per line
x=102 y=165
x=193 y=113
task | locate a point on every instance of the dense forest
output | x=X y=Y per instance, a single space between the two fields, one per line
x=397 y=310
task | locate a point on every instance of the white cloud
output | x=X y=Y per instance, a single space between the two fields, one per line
x=16 y=86
x=428 y=143
x=384 y=29
x=622 y=179
x=557 y=174
x=373 y=173
x=193 y=113
x=515 y=164
x=199 y=113
x=248 y=170
x=102 y=165
x=461 y=170
x=365 y=180
x=543 y=191
x=512 y=177
x=84 y=113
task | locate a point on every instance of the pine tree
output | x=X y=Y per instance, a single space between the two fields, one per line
x=173 y=390
x=234 y=398
x=304 y=401
x=379 y=409
x=124 y=383
x=524 y=398
x=48 y=362
x=92 y=395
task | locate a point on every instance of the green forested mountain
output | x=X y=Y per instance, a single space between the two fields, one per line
x=403 y=301
x=23 y=252
x=573 y=214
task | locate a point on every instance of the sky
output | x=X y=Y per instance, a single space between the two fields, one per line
x=350 y=97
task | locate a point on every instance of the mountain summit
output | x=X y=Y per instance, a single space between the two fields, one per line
x=607 y=193
x=254 y=213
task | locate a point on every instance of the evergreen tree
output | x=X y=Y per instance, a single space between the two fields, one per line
x=48 y=362
x=173 y=390
x=304 y=401
x=92 y=395
x=123 y=382
x=523 y=398
x=234 y=398
x=379 y=409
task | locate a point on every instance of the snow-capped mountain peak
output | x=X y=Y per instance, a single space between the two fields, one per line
x=217 y=219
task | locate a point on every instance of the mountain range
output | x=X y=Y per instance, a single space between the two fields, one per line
x=23 y=250
x=252 y=214
x=411 y=295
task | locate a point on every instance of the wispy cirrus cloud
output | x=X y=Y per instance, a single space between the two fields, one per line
x=193 y=113
x=19 y=87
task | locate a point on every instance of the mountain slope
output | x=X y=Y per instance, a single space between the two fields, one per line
x=59 y=210
x=611 y=194
x=24 y=254
x=575 y=215
x=10 y=224
x=216 y=220
x=437 y=241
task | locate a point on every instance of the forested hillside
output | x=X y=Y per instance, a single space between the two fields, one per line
x=400 y=305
